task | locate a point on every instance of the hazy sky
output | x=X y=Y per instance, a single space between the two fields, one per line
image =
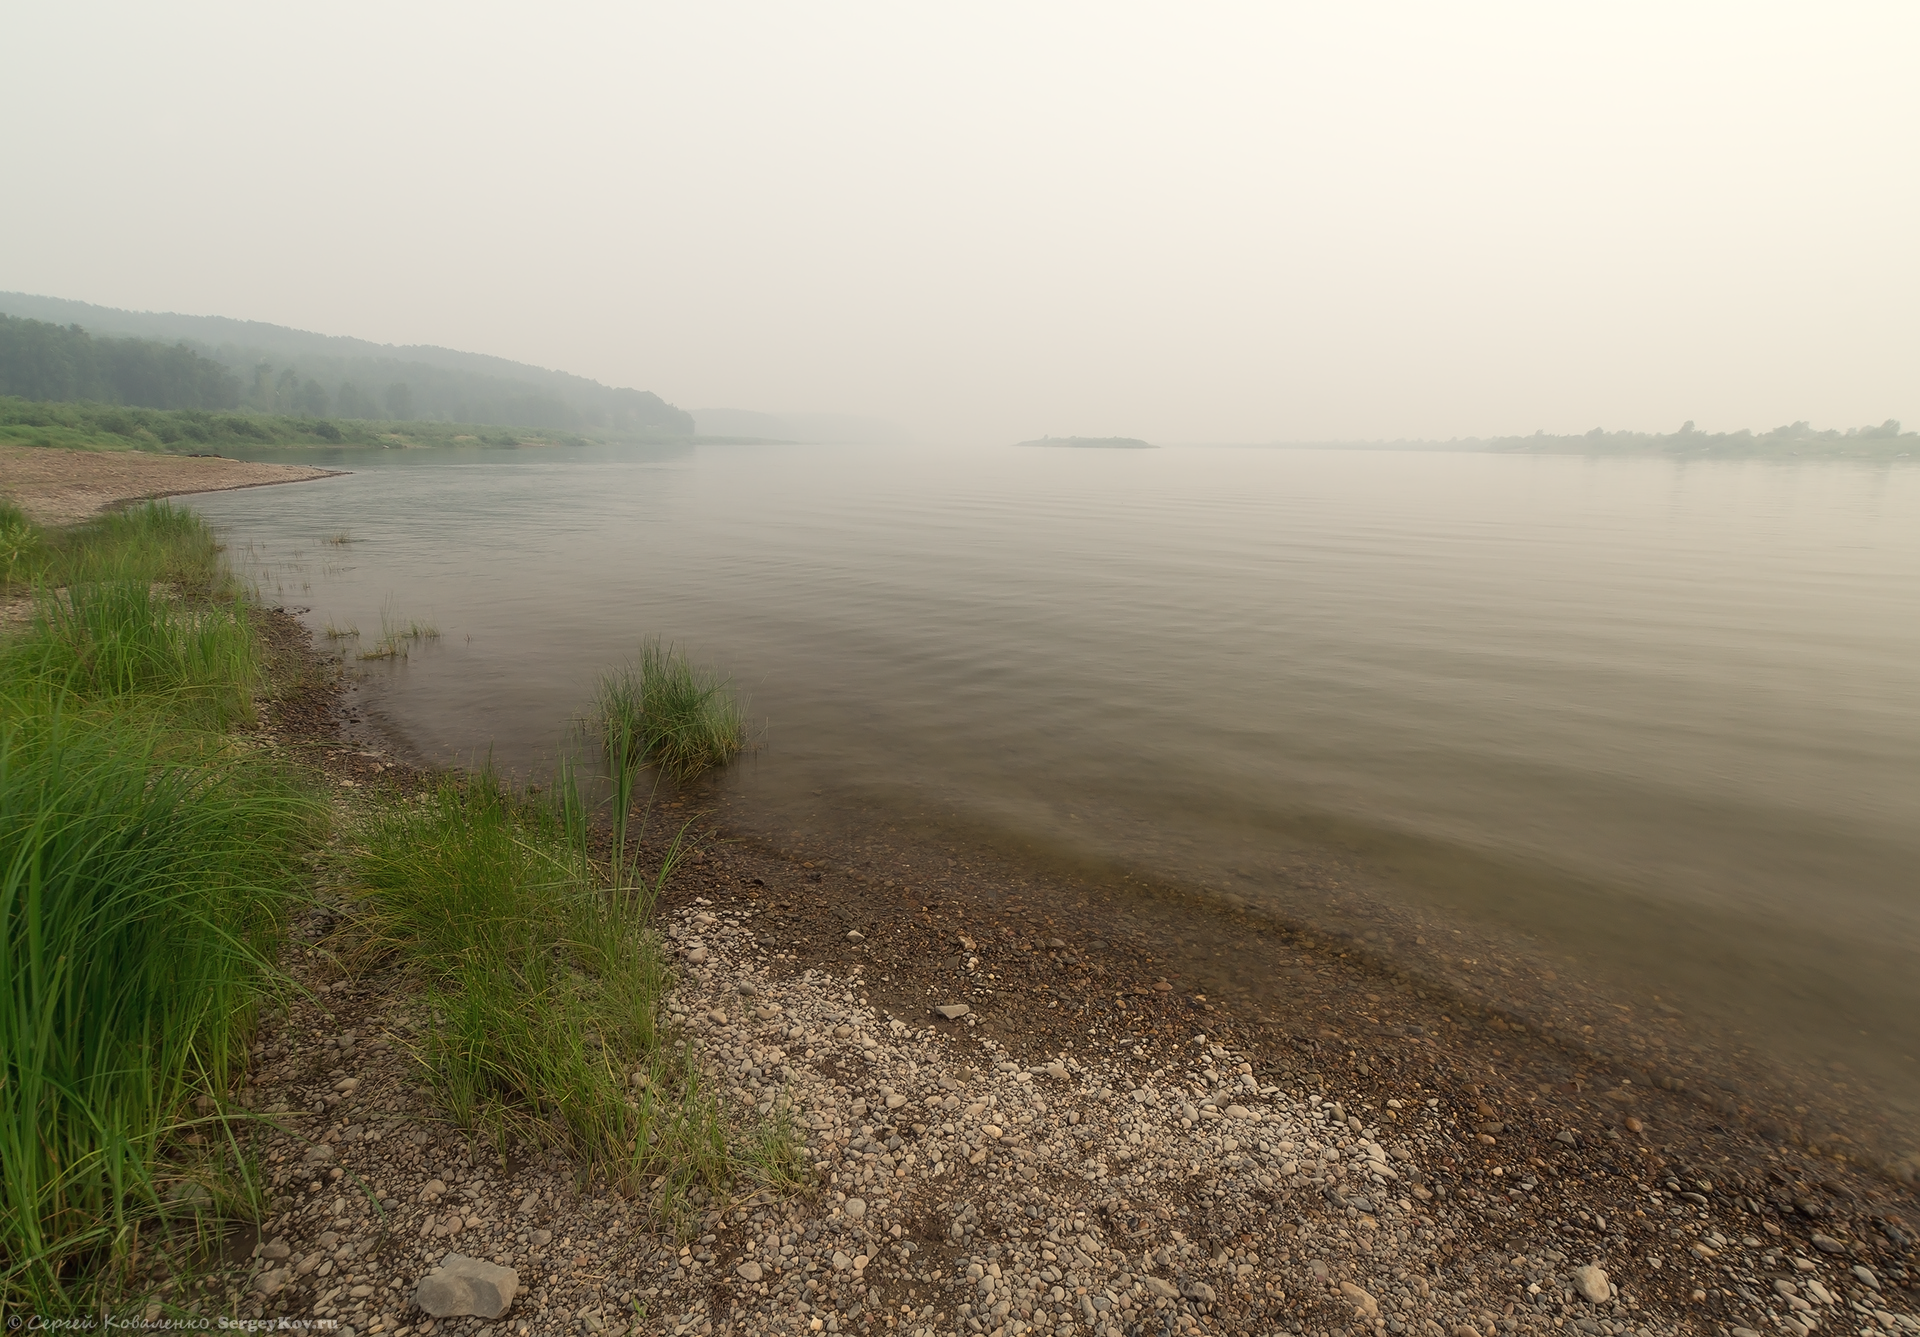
x=1180 y=221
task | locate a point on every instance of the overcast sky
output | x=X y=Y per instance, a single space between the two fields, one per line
x=1179 y=221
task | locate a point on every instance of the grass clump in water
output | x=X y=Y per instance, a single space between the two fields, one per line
x=397 y=636
x=547 y=991
x=667 y=711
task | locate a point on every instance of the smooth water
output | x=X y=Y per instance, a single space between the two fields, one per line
x=1657 y=718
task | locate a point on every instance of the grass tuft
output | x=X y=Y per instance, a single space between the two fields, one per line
x=666 y=710
x=397 y=636
x=546 y=993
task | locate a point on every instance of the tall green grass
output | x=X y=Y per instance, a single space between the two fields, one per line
x=666 y=710
x=122 y=641
x=546 y=991
x=145 y=867
x=155 y=541
x=142 y=885
x=19 y=539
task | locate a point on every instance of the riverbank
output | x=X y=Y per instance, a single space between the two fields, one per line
x=63 y=487
x=1093 y=1144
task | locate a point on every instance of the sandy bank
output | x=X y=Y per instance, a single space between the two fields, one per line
x=58 y=487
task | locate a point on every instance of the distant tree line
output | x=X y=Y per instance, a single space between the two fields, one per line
x=1796 y=438
x=284 y=371
x=39 y=360
x=102 y=426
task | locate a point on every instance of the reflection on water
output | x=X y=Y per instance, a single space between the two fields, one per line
x=1659 y=716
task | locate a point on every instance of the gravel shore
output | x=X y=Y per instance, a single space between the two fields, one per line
x=1087 y=1148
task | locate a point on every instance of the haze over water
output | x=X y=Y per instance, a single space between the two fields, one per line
x=1655 y=721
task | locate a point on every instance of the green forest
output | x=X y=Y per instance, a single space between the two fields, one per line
x=55 y=362
x=96 y=426
x=54 y=349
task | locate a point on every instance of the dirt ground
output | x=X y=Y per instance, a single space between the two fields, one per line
x=59 y=487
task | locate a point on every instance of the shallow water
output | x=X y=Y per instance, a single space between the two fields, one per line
x=1657 y=720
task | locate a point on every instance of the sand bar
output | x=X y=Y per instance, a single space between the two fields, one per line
x=58 y=487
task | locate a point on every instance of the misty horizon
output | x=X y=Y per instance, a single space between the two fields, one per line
x=1245 y=225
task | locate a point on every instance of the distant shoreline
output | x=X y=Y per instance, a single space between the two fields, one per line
x=1092 y=443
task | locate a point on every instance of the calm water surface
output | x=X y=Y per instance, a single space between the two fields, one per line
x=1659 y=719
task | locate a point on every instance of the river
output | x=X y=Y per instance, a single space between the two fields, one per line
x=1654 y=721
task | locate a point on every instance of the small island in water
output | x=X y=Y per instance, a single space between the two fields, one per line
x=1094 y=442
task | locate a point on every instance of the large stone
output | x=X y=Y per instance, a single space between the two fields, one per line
x=466 y=1287
x=1592 y=1284
x=953 y=1011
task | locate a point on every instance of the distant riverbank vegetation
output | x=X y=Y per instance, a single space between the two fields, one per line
x=86 y=426
x=51 y=349
x=1885 y=441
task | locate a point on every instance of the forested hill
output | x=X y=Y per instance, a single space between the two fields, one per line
x=287 y=371
x=55 y=362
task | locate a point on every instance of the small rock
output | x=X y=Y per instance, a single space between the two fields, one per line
x=1199 y=1290
x=698 y=956
x=1466 y=1330
x=1827 y=1243
x=952 y=1011
x=717 y=1017
x=856 y=1209
x=1592 y=1284
x=895 y=1101
x=1362 y=1302
x=841 y=1262
x=1160 y=1288
x=1865 y=1274
x=467 y=1287
x=855 y=935
x=346 y=1086
x=749 y=1271
x=1361 y=1204
x=267 y=1283
x=277 y=1249
x=1565 y=1135
x=320 y=1153
x=1239 y=1112
x=542 y=1238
